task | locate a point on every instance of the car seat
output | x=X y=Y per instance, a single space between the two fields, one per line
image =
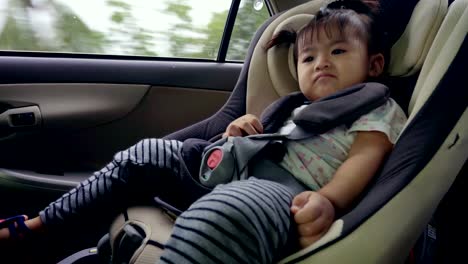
x=426 y=75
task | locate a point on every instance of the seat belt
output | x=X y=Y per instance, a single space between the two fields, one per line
x=82 y=255
x=227 y=159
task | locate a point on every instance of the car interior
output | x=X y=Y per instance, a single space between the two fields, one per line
x=72 y=114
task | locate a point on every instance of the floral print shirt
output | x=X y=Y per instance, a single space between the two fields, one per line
x=315 y=160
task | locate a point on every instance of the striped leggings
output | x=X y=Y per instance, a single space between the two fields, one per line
x=241 y=222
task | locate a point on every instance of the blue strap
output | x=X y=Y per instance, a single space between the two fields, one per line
x=15 y=225
x=12 y=229
x=21 y=226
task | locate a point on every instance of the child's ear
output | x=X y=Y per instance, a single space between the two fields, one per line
x=376 y=64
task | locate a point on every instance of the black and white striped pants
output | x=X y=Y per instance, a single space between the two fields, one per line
x=240 y=222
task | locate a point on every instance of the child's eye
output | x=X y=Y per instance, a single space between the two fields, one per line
x=338 y=51
x=308 y=59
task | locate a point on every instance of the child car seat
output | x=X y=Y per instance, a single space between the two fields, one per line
x=430 y=47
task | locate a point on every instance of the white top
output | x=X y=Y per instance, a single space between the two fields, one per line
x=315 y=160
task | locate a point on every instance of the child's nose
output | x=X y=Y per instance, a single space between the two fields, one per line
x=322 y=62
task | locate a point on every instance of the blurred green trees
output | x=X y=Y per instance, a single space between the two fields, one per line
x=61 y=30
x=247 y=21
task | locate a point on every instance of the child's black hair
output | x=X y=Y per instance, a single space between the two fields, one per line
x=357 y=15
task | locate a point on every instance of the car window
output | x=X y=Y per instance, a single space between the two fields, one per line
x=252 y=13
x=163 y=28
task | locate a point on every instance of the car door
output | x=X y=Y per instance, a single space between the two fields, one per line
x=81 y=80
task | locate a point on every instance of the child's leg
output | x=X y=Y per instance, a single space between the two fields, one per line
x=241 y=222
x=134 y=173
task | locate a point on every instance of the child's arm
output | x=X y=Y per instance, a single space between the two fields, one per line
x=365 y=157
x=245 y=125
x=314 y=212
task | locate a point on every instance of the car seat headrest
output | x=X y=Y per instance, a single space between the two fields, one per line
x=409 y=52
x=272 y=73
x=276 y=56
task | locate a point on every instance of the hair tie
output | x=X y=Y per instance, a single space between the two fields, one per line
x=290 y=36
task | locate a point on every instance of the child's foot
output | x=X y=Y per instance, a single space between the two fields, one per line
x=19 y=240
x=17 y=227
x=13 y=227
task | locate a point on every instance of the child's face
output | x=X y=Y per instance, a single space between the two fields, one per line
x=326 y=65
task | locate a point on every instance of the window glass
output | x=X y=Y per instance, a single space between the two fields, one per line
x=163 y=28
x=251 y=15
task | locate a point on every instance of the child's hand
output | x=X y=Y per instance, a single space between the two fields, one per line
x=245 y=125
x=313 y=214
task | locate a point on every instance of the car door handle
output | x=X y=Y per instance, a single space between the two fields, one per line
x=22 y=117
x=18 y=117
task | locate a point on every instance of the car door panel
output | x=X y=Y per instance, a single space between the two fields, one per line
x=75 y=106
x=92 y=108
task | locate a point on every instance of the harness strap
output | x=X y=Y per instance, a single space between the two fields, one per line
x=233 y=154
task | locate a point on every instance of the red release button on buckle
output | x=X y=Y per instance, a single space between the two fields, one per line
x=214 y=159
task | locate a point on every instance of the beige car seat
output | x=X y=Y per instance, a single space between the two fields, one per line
x=388 y=220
